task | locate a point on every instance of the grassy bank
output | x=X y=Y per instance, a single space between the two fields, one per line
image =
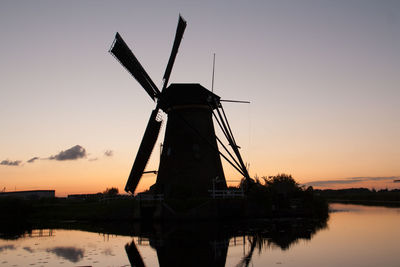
x=17 y=213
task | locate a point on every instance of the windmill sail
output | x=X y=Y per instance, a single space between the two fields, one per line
x=144 y=152
x=125 y=56
x=178 y=38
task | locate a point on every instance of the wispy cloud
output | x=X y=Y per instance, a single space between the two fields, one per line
x=73 y=153
x=7 y=162
x=350 y=180
x=32 y=159
x=109 y=153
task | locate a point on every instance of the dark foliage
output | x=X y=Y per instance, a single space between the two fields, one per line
x=281 y=195
x=113 y=191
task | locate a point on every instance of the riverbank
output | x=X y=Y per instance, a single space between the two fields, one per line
x=380 y=203
x=19 y=216
x=362 y=196
x=15 y=210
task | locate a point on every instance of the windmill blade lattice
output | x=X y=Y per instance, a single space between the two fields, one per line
x=178 y=38
x=125 y=56
x=146 y=147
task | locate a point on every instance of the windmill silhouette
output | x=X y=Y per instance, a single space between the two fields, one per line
x=190 y=163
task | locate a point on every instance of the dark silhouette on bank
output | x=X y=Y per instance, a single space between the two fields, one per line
x=190 y=181
x=190 y=165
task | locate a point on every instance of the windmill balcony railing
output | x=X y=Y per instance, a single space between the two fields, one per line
x=226 y=193
x=150 y=197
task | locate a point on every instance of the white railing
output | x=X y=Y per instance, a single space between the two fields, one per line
x=106 y=198
x=150 y=197
x=228 y=193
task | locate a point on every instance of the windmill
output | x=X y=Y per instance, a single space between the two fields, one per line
x=190 y=163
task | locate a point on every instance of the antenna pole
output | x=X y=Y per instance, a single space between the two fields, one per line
x=212 y=83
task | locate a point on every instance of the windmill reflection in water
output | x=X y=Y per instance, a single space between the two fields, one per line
x=206 y=244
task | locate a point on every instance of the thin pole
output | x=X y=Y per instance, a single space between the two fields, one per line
x=234 y=146
x=212 y=83
x=219 y=141
x=227 y=123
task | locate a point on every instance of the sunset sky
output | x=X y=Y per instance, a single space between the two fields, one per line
x=323 y=78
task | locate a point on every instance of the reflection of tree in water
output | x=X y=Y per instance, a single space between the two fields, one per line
x=207 y=244
x=69 y=253
x=13 y=231
x=281 y=234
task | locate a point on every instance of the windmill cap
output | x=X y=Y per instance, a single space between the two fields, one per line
x=183 y=94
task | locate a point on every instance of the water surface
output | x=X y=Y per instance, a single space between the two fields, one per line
x=353 y=236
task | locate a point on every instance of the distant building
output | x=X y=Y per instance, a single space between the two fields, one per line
x=32 y=194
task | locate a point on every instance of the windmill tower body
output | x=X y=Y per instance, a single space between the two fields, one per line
x=190 y=164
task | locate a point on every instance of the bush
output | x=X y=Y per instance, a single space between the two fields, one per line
x=284 y=196
x=113 y=191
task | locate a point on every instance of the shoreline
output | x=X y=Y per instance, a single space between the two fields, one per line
x=378 y=203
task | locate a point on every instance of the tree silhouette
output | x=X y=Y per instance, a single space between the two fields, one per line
x=113 y=191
